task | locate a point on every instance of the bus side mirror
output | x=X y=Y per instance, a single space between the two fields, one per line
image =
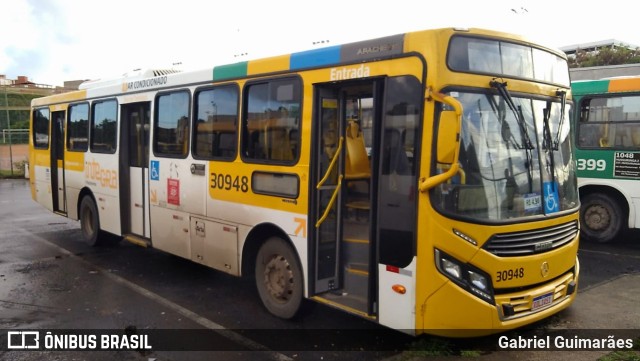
x=448 y=137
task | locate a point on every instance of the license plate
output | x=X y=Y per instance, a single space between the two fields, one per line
x=542 y=301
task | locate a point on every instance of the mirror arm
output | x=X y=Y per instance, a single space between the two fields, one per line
x=428 y=183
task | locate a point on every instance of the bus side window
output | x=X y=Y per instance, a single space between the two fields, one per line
x=104 y=126
x=171 y=135
x=216 y=110
x=271 y=114
x=78 y=127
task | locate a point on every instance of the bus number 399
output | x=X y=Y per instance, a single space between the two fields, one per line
x=592 y=164
x=228 y=182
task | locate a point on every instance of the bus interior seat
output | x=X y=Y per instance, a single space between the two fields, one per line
x=357 y=165
x=357 y=168
x=470 y=199
x=278 y=144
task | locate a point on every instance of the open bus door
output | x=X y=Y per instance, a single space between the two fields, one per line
x=343 y=211
x=364 y=200
x=57 y=162
x=134 y=165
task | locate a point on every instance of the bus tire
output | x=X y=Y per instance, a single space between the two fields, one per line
x=278 y=278
x=600 y=217
x=89 y=221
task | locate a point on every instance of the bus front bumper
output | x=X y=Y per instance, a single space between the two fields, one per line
x=469 y=316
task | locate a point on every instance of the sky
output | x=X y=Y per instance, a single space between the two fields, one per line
x=52 y=41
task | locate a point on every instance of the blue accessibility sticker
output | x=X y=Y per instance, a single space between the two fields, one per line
x=551 y=197
x=155 y=170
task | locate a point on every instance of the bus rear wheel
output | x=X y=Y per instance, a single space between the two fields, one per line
x=600 y=217
x=89 y=221
x=279 y=278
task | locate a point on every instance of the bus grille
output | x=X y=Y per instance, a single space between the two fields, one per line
x=532 y=242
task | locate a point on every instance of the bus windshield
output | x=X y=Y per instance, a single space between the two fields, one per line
x=515 y=160
x=502 y=58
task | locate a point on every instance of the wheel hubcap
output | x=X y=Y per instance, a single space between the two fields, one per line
x=278 y=278
x=597 y=218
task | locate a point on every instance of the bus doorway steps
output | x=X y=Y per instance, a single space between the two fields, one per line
x=137 y=240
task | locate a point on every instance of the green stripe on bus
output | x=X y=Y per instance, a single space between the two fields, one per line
x=589 y=87
x=230 y=71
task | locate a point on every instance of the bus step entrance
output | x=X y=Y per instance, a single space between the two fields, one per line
x=355 y=256
x=354 y=291
x=358 y=211
x=137 y=240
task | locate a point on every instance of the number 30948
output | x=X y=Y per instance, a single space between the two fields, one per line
x=508 y=275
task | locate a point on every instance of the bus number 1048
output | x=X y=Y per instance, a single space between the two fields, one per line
x=625 y=155
x=592 y=164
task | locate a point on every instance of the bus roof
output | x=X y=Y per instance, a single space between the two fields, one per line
x=353 y=53
x=350 y=53
x=610 y=85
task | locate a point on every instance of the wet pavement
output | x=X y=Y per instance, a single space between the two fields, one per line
x=50 y=280
x=46 y=287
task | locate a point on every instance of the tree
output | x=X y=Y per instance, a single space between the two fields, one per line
x=616 y=55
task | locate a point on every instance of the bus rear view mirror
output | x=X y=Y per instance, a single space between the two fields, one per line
x=448 y=137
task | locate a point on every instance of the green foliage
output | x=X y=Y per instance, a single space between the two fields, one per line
x=470 y=353
x=605 y=56
x=19 y=119
x=621 y=356
x=19 y=166
x=429 y=347
x=17 y=99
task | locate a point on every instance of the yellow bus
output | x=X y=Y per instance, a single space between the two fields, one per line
x=424 y=181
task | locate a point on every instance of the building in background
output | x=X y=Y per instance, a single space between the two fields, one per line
x=600 y=72
x=15 y=102
x=23 y=82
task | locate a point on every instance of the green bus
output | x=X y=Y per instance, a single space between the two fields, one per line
x=607 y=128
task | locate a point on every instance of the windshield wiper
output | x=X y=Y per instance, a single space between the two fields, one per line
x=517 y=111
x=563 y=102
x=549 y=145
x=501 y=87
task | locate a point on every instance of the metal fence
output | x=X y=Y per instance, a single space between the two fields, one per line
x=15 y=136
x=13 y=158
x=14 y=152
x=15 y=101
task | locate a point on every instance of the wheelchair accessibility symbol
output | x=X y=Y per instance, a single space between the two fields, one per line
x=154 y=172
x=551 y=198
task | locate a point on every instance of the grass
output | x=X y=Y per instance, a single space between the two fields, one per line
x=6 y=173
x=435 y=347
x=621 y=356
x=631 y=355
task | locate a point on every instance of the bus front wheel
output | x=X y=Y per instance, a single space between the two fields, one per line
x=601 y=218
x=89 y=221
x=279 y=278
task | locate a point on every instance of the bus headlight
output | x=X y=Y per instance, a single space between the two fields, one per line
x=470 y=278
x=479 y=281
x=452 y=268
